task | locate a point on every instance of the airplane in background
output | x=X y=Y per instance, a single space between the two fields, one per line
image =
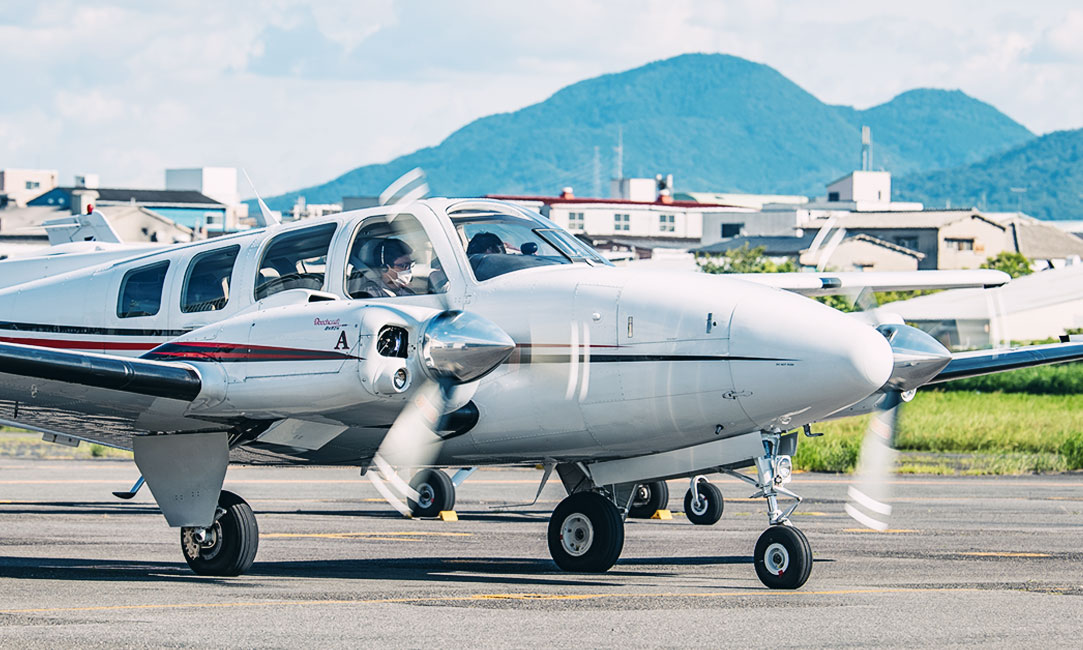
x=459 y=333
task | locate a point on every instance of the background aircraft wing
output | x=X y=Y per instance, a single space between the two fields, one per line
x=96 y=397
x=985 y=362
x=826 y=284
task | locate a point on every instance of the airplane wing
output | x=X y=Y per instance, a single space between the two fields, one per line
x=986 y=362
x=827 y=284
x=96 y=397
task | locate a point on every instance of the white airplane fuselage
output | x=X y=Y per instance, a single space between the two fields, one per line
x=609 y=362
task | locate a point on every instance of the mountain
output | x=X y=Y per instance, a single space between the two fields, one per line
x=716 y=122
x=1050 y=168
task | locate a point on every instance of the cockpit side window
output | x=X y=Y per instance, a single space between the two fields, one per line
x=141 y=291
x=391 y=256
x=497 y=243
x=206 y=287
x=295 y=260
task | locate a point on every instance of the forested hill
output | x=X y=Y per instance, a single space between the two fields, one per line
x=1049 y=169
x=716 y=122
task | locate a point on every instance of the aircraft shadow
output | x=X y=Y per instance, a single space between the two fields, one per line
x=505 y=571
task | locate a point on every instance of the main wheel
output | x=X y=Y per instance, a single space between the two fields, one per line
x=783 y=557
x=649 y=498
x=230 y=545
x=708 y=509
x=436 y=493
x=586 y=533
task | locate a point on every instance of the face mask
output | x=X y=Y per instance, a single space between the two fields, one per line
x=404 y=278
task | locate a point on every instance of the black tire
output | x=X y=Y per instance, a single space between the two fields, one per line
x=709 y=509
x=586 y=533
x=649 y=498
x=436 y=490
x=783 y=557
x=232 y=542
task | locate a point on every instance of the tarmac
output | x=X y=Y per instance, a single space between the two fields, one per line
x=995 y=561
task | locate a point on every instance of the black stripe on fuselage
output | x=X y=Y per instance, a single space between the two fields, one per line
x=527 y=357
x=79 y=329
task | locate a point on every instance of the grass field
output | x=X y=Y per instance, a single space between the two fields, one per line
x=964 y=432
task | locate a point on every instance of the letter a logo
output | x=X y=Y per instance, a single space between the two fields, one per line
x=342 y=343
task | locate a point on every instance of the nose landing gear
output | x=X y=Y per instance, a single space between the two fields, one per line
x=703 y=503
x=783 y=556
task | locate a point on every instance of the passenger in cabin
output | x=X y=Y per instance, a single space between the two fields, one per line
x=485 y=243
x=387 y=273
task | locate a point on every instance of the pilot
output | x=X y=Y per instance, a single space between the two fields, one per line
x=485 y=243
x=389 y=275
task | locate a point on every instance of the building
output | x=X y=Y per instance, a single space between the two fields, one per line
x=1045 y=243
x=189 y=208
x=854 y=252
x=639 y=223
x=1034 y=307
x=863 y=191
x=947 y=239
x=21 y=185
x=217 y=183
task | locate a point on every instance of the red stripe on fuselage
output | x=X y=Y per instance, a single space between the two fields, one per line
x=81 y=345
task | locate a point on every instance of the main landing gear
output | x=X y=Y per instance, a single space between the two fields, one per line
x=229 y=546
x=586 y=533
x=648 y=499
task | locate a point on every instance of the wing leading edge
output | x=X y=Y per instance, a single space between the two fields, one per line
x=827 y=284
x=987 y=362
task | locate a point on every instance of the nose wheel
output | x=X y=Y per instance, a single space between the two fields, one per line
x=228 y=547
x=703 y=502
x=436 y=493
x=586 y=533
x=783 y=557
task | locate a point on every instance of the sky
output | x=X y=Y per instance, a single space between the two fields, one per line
x=297 y=93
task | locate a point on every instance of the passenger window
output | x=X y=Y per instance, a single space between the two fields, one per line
x=392 y=256
x=295 y=260
x=141 y=291
x=206 y=287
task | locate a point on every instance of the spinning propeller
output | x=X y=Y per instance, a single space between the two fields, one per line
x=456 y=348
x=918 y=358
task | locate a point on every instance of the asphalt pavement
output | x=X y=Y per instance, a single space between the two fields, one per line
x=996 y=561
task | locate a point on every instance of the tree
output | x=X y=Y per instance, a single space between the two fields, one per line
x=1014 y=264
x=743 y=260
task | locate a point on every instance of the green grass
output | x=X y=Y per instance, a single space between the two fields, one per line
x=999 y=433
x=1062 y=379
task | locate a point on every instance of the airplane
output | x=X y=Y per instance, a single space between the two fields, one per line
x=456 y=333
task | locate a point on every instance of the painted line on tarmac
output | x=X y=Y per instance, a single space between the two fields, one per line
x=1003 y=554
x=374 y=535
x=486 y=597
x=892 y=531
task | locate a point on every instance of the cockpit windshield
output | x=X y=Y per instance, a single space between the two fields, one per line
x=499 y=242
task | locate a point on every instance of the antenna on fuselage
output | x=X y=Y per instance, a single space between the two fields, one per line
x=266 y=218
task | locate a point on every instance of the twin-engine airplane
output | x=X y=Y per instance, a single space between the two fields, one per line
x=456 y=333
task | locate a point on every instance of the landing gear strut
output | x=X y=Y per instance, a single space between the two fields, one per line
x=782 y=555
x=436 y=493
x=586 y=533
x=228 y=547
